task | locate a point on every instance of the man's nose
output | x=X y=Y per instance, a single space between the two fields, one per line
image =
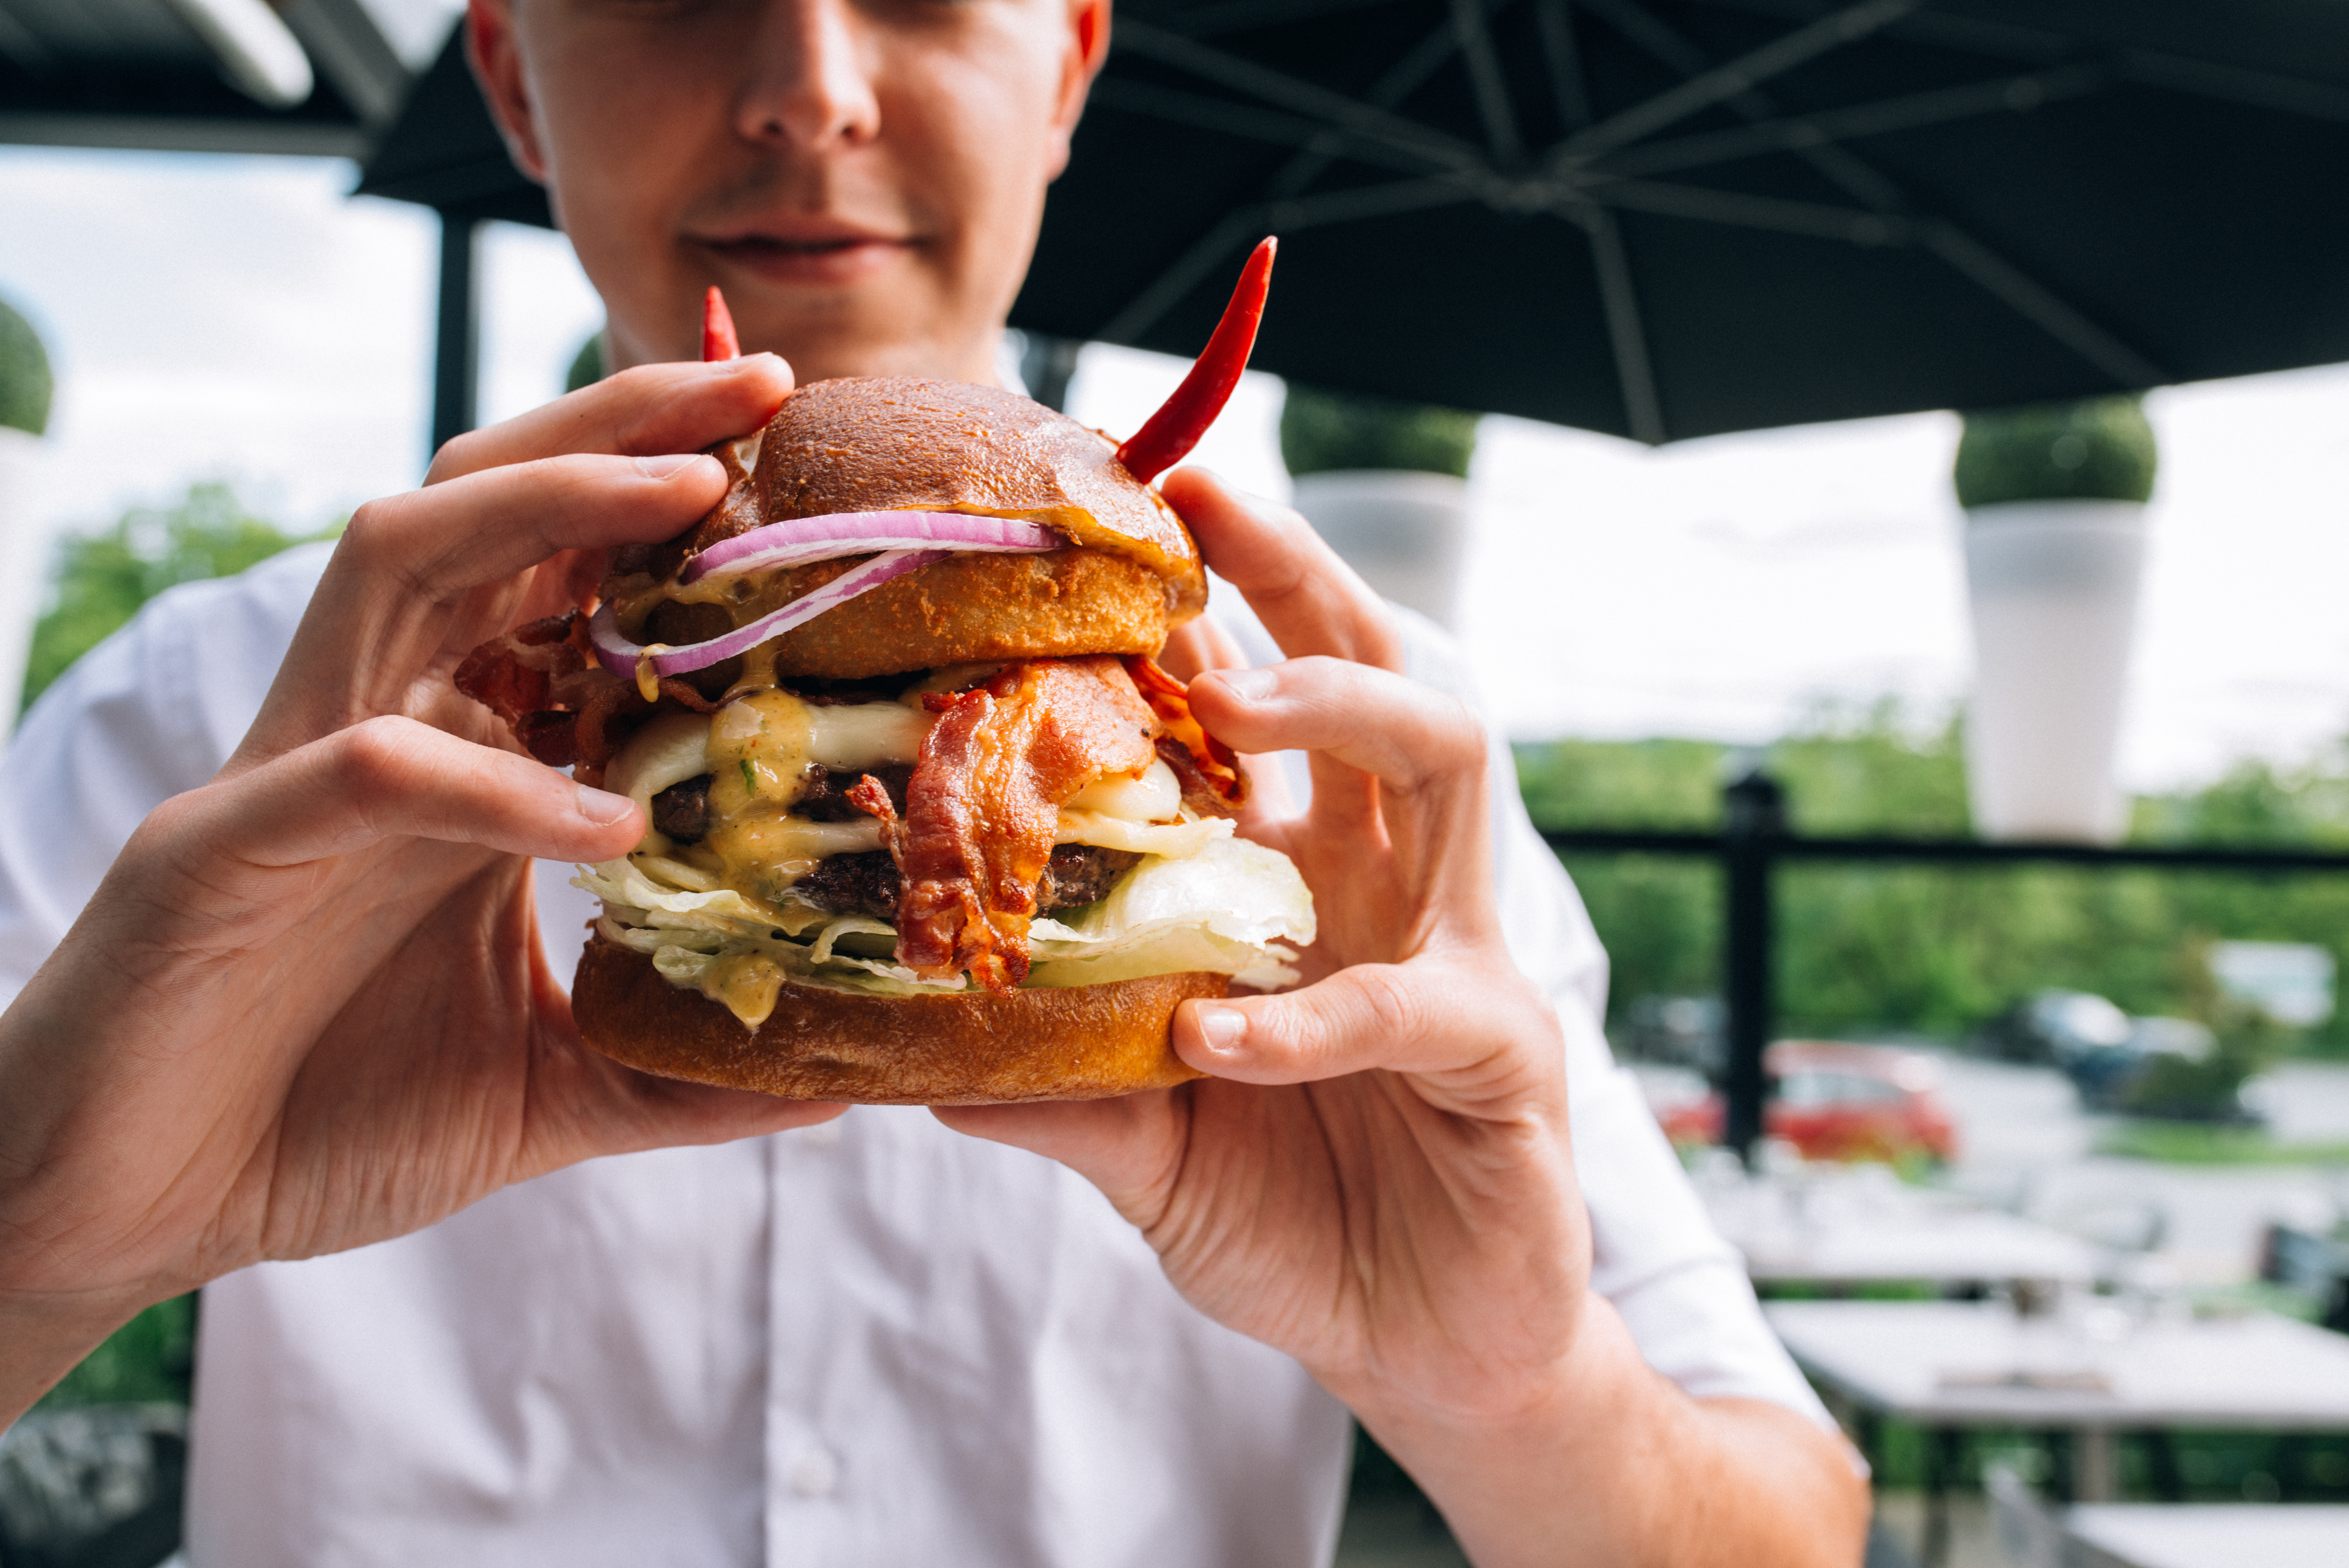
x=811 y=80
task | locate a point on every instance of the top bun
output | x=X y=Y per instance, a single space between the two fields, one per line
x=901 y=442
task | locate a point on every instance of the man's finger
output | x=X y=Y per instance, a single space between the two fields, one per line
x=1405 y=735
x=1461 y=1026
x=1311 y=602
x=393 y=777
x=1391 y=759
x=643 y=412
x=437 y=543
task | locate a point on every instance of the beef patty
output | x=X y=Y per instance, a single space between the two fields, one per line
x=868 y=883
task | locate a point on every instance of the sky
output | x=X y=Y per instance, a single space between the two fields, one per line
x=243 y=318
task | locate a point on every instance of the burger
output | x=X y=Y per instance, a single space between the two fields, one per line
x=927 y=823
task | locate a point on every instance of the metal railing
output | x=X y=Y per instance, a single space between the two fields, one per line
x=1753 y=840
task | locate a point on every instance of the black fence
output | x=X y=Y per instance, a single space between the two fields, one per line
x=1753 y=840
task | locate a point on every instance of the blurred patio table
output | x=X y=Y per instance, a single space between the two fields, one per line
x=1840 y=1230
x=2217 y=1535
x=1949 y=1250
x=2088 y=1368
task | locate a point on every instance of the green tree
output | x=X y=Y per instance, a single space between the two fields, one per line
x=101 y=579
x=1869 y=771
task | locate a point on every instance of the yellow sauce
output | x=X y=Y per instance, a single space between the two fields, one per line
x=761 y=854
x=758 y=751
x=745 y=984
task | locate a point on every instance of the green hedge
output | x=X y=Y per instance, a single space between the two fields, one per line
x=25 y=382
x=2100 y=449
x=1324 y=431
x=147 y=1361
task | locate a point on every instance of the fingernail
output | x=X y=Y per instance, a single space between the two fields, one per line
x=602 y=807
x=1248 y=686
x=666 y=466
x=1223 y=1029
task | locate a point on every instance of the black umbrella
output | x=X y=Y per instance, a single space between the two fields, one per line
x=1672 y=218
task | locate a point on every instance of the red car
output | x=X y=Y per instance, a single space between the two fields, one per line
x=1838 y=1101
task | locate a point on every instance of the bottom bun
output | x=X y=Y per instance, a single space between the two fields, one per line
x=1077 y=1042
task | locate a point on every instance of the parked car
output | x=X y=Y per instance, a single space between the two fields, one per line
x=2104 y=1076
x=1681 y=1031
x=2054 y=1028
x=1834 y=1100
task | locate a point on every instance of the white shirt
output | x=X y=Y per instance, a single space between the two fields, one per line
x=871 y=1343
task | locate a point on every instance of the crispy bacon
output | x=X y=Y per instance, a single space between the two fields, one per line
x=514 y=675
x=984 y=805
x=870 y=796
x=566 y=709
x=1213 y=782
x=550 y=735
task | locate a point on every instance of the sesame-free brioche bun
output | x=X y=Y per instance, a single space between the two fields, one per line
x=899 y=442
x=1086 y=1041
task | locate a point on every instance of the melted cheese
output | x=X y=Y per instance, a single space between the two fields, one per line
x=1174 y=840
x=670 y=750
x=1155 y=796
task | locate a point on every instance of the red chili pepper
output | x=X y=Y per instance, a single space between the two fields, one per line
x=1177 y=427
x=717 y=339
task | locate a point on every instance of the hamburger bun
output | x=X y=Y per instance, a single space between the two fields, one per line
x=901 y=443
x=1086 y=1041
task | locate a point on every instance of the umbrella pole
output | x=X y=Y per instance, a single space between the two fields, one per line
x=457 y=355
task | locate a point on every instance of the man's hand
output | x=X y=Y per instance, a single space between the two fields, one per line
x=307 y=1008
x=1378 y=1179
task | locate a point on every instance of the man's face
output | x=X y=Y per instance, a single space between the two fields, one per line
x=864 y=178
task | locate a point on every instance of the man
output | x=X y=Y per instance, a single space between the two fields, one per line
x=307 y=1011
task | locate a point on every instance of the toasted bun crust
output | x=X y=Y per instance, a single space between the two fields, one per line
x=1085 y=1042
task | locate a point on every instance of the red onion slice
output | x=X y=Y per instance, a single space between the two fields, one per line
x=804 y=539
x=619 y=656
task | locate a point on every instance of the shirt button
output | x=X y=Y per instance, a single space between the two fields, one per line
x=815 y=1473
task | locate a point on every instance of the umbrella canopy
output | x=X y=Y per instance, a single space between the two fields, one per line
x=1673 y=218
x=197 y=76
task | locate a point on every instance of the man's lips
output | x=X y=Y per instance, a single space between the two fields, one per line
x=810 y=256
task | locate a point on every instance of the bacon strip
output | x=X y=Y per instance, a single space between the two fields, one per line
x=1213 y=782
x=514 y=675
x=566 y=709
x=984 y=805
